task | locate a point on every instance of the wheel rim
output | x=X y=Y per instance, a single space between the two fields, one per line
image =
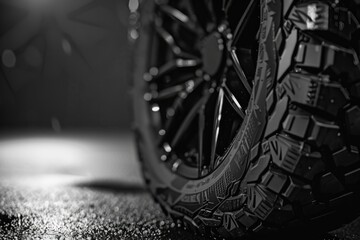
x=199 y=82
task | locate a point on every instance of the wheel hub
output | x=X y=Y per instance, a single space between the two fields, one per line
x=213 y=53
x=197 y=89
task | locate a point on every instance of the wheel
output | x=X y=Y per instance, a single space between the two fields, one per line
x=247 y=113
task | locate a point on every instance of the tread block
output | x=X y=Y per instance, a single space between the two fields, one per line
x=322 y=219
x=205 y=213
x=300 y=53
x=315 y=91
x=233 y=203
x=288 y=27
x=276 y=118
x=222 y=231
x=352 y=118
x=294 y=158
x=270 y=100
x=298 y=191
x=309 y=55
x=279 y=41
x=281 y=214
x=310 y=16
x=235 y=188
x=237 y=233
x=210 y=222
x=331 y=59
x=320 y=16
x=254 y=153
x=330 y=185
x=345 y=157
x=285 y=152
x=274 y=181
x=246 y=219
x=341 y=62
x=300 y=88
x=286 y=6
x=229 y=222
x=326 y=134
x=296 y=125
x=355 y=90
x=344 y=200
x=310 y=165
x=255 y=172
x=287 y=55
x=314 y=208
x=353 y=177
x=260 y=200
x=331 y=97
x=265 y=147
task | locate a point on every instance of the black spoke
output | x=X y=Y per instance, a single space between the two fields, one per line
x=216 y=127
x=181 y=18
x=188 y=119
x=190 y=10
x=199 y=83
x=201 y=139
x=169 y=92
x=239 y=70
x=234 y=102
x=210 y=7
x=171 y=66
x=244 y=20
x=169 y=39
x=172 y=114
x=175 y=90
x=226 y=5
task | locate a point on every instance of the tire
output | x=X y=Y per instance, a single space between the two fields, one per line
x=292 y=162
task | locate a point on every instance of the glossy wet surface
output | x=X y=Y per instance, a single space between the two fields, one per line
x=83 y=186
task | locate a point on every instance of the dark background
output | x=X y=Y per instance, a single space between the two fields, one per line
x=64 y=64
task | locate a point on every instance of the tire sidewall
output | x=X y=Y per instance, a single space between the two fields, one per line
x=173 y=187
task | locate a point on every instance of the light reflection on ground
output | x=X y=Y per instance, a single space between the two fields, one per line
x=84 y=186
x=92 y=156
x=78 y=186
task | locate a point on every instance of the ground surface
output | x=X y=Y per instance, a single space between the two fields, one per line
x=84 y=186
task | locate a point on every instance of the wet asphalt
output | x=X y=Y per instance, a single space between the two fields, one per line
x=85 y=187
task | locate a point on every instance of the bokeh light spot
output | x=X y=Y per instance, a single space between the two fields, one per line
x=66 y=47
x=133 y=5
x=8 y=58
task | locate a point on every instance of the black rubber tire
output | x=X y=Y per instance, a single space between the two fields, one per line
x=296 y=163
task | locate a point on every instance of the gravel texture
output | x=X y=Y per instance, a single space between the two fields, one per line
x=94 y=211
x=82 y=212
x=102 y=199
